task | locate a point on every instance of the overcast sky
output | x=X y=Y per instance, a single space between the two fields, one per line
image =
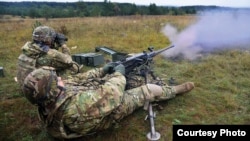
x=230 y=3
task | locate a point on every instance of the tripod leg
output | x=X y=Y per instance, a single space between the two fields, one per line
x=152 y=135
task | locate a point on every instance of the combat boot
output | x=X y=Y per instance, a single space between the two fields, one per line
x=183 y=88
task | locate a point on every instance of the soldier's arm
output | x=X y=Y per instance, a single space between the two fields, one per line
x=65 y=49
x=114 y=88
x=59 y=59
x=117 y=81
x=93 y=73
x=108 y=96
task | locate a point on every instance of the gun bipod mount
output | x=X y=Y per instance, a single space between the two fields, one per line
x=152 y=135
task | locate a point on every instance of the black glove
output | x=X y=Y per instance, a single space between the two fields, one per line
x=60 y=39
x=108 y=68
x=120 y=68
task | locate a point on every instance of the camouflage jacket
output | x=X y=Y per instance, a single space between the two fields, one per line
x=86 y=105
x=33 y=56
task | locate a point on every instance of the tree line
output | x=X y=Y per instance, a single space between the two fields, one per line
x=91 y=9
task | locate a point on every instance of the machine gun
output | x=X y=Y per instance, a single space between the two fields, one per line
x=139 y=64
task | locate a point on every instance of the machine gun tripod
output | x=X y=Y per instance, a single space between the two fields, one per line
x=152 y=135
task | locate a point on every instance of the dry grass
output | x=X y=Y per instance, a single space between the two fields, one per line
x=222 y=88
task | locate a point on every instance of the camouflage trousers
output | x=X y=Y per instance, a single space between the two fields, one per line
x=136 y=98
x=72 y=121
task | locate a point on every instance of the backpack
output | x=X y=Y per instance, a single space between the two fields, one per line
x=27 y=61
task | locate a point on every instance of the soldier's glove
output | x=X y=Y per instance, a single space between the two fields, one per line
x=108 y=68
x=120 y=68
x=75 y=68
x=65 y=49
x=60 y=39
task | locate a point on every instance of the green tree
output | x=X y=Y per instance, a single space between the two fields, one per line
x=33 y=13
x=95 y=11
x=46 y=11
x=116 y=9
x=81 y=9
x=153 y=10
x=108 y=9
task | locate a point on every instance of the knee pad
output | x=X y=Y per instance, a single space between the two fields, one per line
x=151 y=91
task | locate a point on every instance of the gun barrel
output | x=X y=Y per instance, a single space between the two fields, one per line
x=162 y=50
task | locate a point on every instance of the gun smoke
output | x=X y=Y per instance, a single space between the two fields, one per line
x=213 y=31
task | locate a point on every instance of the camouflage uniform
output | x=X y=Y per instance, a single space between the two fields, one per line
x=34 y=57
x=37 y=54
x=91 y=101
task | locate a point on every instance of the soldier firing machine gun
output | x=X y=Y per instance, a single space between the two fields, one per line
x=141 y=65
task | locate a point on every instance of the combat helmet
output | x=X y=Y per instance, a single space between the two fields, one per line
x=40 y=86
x=44 y=34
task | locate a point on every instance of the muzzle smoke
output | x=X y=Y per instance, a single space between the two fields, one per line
x=213 y=31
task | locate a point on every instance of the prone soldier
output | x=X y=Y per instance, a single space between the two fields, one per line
x=89 y=102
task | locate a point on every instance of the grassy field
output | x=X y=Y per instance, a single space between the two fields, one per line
x=221 y=95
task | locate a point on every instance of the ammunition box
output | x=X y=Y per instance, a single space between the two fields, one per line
x=118 y=56
x=1 y=72
x=89 y=59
